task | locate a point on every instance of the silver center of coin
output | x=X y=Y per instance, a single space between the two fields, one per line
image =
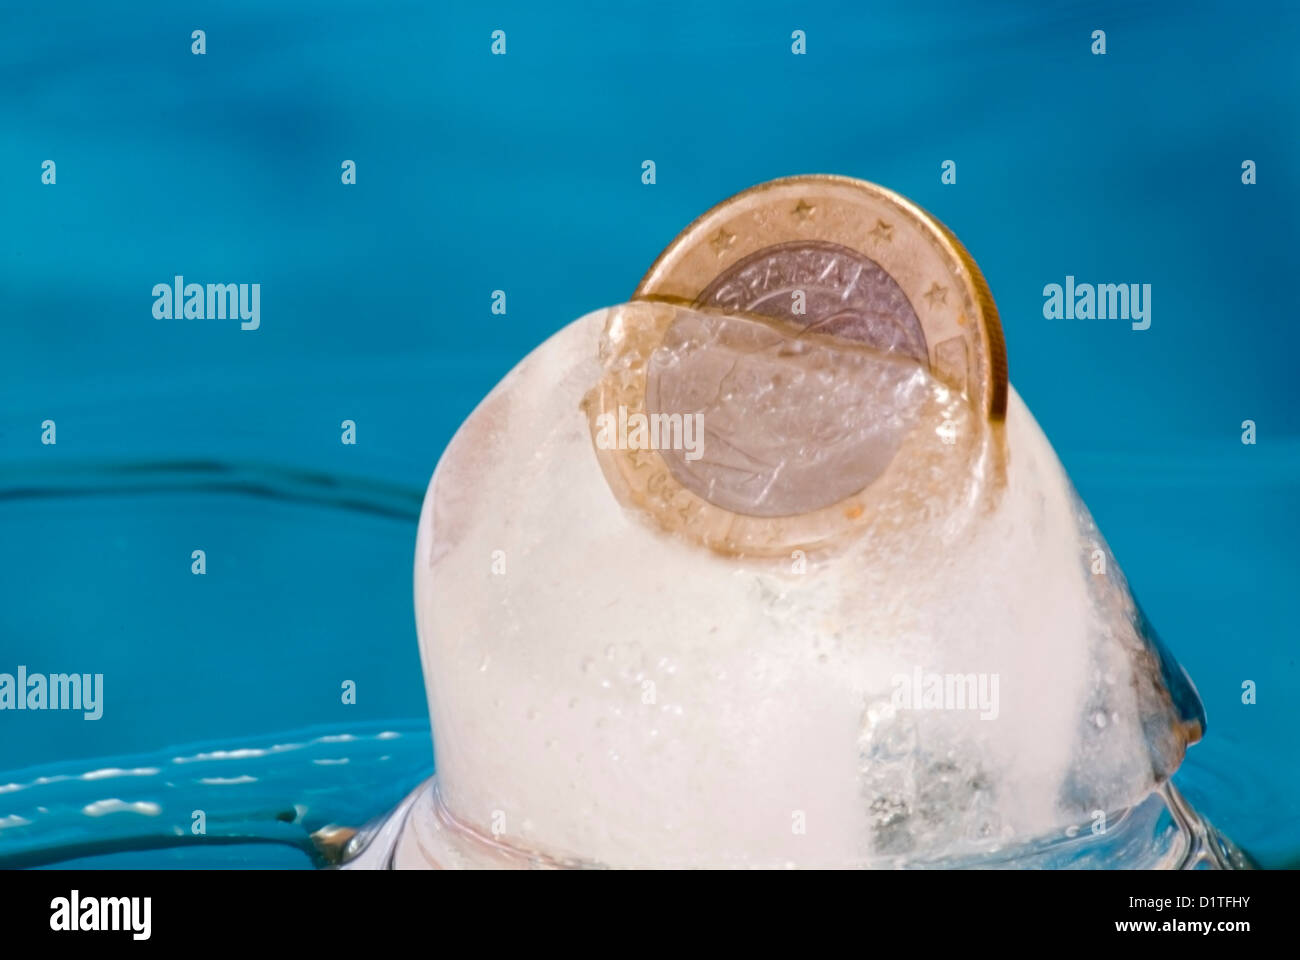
x=791 y=425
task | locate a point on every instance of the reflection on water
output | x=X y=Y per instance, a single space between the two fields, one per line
x=40 y=481
x=306 y=571
x=280 y=790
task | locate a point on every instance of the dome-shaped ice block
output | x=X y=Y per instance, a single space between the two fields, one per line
x=659 y=654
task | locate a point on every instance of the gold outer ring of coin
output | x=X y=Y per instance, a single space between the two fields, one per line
x=940 y=279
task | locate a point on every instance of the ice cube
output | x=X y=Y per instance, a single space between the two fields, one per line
x=867 y=627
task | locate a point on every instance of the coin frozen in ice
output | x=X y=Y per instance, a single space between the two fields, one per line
x=859 y=617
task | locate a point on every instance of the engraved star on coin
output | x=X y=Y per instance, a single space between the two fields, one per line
x=936 y=295
x=882 y=233
x=804 y=210
x=722 y=241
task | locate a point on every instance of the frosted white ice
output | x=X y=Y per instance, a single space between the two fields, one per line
x=603 y=691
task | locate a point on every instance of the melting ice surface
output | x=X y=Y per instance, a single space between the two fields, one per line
x=605 y=687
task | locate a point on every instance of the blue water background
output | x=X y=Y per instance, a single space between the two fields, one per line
x=523 y=173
